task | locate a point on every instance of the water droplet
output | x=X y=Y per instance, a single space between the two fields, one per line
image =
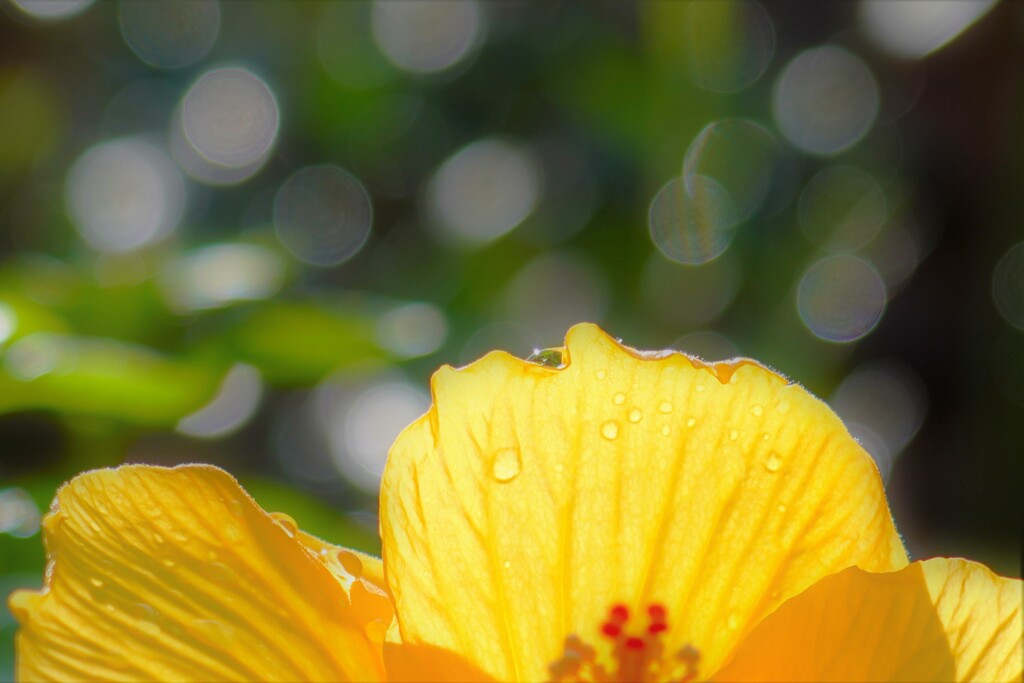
x=610 y=429
x=773 y=463
x=376 y=630
x=636 y=415
x=286 y=522
x=351 y=562
x=782 y=407
x=765 y=436
x=507 y=465
x=757 y=410
x=691 y=422
x=733 y=434
x=98 y=583
x=600 y=374
x=733 y=622
x=179 y=536
x=619 y=398
x=551 y=358
x=665 y=407
x=665 y=430
x=168 y=562
x=507 y=565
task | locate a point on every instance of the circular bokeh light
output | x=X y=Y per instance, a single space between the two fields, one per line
x=825 y=100
x=124 y=194
x=323 y=215
x=692 y=221
x=841 y=298
x=170 y=35
x=730 y=44
x=483 y=191
x=1008 y=285
x=426 y=36
x=230 y=117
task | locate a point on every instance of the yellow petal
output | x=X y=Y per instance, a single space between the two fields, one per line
x=529 y=499
x=939 y=620
x=177 y=575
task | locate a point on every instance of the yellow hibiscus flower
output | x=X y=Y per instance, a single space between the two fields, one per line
x=624 y=516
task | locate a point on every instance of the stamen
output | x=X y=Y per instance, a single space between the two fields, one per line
x=636 y=657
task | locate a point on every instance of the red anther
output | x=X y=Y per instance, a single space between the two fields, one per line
x=657 y=627
x=635 y=643
x=611 y=629
x=619 y=613
x=656 y=611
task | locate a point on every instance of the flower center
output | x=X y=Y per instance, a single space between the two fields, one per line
x=636 y=656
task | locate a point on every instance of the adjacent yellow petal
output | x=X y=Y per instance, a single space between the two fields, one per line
x=530 y=498
x=940 y=620
x=177 y=575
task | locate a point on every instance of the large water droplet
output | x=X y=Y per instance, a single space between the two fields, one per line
x=636 y=415
x=507 y=465
x=286 y=522
x=351 y=562
x=619 y=398
x=610 y=429
x=551 y=358
x=773 y=463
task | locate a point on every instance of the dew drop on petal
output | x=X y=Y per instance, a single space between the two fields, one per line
x=733 y=434
x=507 y=565
x=98 y=583
x=619 y=398
x=600 y=374
x=507 y=465
x=665 y=407
x=691 y=422
x=351 y=562
x=636 y=415
x=757 y=410
x=286 y=522
x=773 y=463
x=665 y=430
x=610 y=429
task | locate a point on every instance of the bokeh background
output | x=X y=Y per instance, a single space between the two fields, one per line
x=246 y=233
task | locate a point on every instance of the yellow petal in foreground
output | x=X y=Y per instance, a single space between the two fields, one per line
x=178 y=575
x=530 y=499
x=939 y=620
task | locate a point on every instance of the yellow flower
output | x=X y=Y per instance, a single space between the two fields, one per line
x=641 y=516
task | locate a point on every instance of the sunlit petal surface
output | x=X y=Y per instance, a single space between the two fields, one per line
x=939 y=620
x=161 y=574
x=530 y=498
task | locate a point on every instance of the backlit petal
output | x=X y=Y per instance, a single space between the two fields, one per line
x=939 y=620
x=177 y=575
x=531 y=498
